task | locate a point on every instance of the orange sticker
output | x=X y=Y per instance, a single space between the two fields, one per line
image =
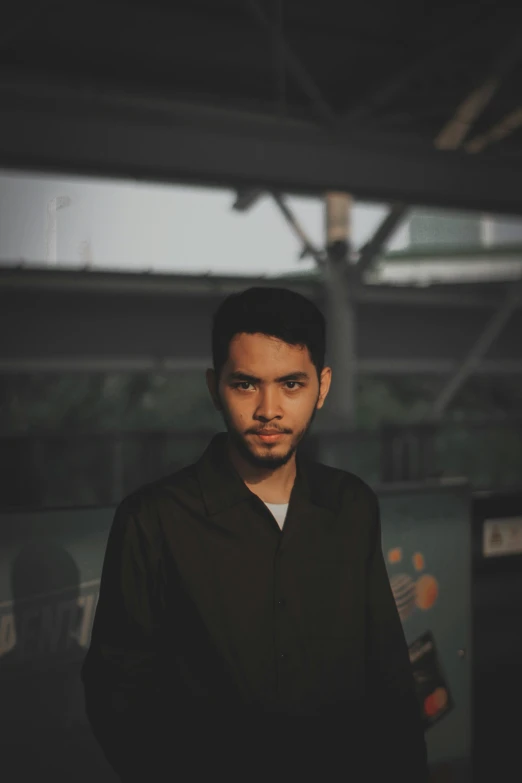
x=427 y=591
x=395 y=555
x=440 y=698
x=435 y=702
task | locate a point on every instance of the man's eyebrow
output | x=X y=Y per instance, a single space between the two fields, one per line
x=298 y=375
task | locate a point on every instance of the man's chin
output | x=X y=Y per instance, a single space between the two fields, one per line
x=267 y=459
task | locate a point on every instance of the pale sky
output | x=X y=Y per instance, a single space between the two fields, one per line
x=129 y=225
x=132 y=225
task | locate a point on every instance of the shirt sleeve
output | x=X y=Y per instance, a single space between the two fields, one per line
x=394 y=714
x=123 y=694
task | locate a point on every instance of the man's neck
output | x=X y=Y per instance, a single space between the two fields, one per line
x=272 y=486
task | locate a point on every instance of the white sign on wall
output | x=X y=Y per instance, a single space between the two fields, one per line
x=502 y=537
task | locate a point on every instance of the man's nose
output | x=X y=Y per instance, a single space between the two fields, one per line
x=269 y=406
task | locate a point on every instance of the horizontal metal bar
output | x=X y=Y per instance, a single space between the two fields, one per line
x=111 y=134
x=157 y=284
x=377 y=366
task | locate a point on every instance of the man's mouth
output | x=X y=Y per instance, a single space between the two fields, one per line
x=269 y=436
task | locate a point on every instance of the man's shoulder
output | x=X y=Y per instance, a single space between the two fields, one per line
x=167 y=489
x=347 y=485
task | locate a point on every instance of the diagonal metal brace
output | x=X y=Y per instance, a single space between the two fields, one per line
x=373 y=247
x=308 y=246
x=246 y=199
x=478 y=350
x=297 y=69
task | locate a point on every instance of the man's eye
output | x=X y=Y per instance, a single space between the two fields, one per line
x=242 y=384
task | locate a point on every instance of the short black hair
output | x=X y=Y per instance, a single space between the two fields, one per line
x=276 y=312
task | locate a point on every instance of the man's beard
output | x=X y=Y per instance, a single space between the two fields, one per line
x=269 y=460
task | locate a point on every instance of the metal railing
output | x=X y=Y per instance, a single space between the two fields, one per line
x=42 y=470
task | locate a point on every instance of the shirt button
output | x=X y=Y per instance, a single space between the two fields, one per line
x=281 y=602
x=283 y=656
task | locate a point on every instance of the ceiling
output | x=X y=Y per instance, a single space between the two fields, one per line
x=294 y=93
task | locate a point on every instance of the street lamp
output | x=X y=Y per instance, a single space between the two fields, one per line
x=60 y=202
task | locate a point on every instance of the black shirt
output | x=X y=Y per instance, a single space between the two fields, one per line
x=223 y=644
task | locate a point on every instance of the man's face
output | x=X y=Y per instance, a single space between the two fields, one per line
x=267 y=385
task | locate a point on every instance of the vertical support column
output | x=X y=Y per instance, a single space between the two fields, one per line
x=341 y=334
x=340 y=313
x=51 y=252
x=60 y=202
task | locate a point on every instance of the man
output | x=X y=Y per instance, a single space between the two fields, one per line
x=245 y=627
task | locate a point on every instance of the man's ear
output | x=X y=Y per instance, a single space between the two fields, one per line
x=212 y=388
x=324 y=386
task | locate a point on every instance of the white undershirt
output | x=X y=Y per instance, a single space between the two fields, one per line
x=279 y=511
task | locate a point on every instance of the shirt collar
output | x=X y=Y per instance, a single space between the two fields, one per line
x=222 y=487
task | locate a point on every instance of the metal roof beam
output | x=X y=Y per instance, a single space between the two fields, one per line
x=295 y=66
x=385 y=93
x=455 y=131
x=500 y=130
x=147 y=364
x=464 y=297
x=449 y=138
x=213 y=147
